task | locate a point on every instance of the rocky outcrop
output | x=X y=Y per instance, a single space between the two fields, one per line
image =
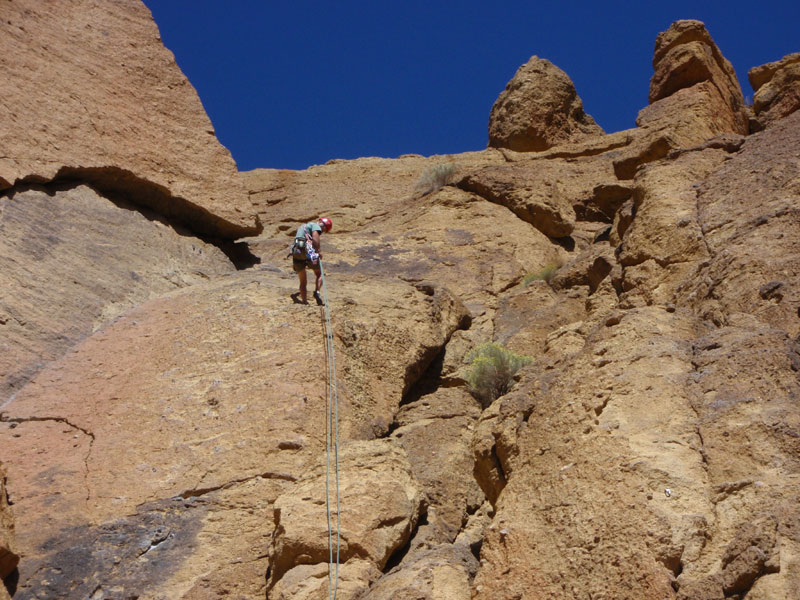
x=164 y=422
x=694 y=97
x=777 y=89
x=538 y=109
x=701 y=430
x=90 y=94
x=684 y=56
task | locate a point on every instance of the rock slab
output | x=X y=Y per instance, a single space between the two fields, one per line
x=91 y=93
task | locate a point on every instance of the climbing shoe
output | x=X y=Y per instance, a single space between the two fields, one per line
x=318 y=298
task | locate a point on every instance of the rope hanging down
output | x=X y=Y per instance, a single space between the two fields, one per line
x=332 y=445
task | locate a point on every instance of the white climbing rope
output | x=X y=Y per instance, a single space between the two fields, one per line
x=332 y=445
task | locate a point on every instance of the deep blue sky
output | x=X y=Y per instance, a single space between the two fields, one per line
x=295 y=83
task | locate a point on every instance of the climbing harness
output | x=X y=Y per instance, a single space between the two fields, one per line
x=332 y=440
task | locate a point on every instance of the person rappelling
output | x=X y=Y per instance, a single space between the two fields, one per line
x=307 y=252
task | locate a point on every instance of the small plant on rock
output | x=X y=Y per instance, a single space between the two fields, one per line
x=546 y=273
x=492 y=370
x=434 y=178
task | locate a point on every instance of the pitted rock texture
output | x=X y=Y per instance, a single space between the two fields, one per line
x=379 y=229
x=684 y=56
x=777 y=89
x=538 y=109
x=72 y=260
x=90 y=93
x=380 y=503
x=687 y=424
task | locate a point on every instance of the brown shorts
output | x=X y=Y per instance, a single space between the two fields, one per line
x=300 y=264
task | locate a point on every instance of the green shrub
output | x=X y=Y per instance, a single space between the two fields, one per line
x=546 y=273
x=435 y=177
x=492 y=370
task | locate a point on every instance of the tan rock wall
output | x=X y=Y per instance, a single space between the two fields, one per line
x=686 y=55
x=90 y=93
x=777 y=89
x=178 y=425
x=72 y=260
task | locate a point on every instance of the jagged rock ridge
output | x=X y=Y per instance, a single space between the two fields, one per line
x=164 y=430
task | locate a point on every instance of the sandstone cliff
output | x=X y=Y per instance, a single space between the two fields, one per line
x=163 y=414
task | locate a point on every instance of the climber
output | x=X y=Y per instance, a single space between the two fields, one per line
x=306 y=253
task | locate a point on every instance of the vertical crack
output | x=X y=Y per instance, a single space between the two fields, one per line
x=4 y=418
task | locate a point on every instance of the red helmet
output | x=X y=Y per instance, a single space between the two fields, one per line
x=326 y=223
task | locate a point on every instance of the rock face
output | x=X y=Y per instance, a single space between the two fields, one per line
x=381 y=503
x=164 y=415
x=90 y=93
x=538 y=109
x=8 y=557
x=146 y=434
x=777 y=89
x=685 y=55
x=72 y=260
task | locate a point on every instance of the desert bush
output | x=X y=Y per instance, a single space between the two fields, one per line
x=492 y=370
x=546 y=273
x=435 y=177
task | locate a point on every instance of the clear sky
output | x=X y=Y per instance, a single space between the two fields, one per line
x=294 y=83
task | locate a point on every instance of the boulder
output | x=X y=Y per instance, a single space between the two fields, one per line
x=777 y=89
x=380 y=503
x=552 y=192
x=312 y=582
x=91 y=94
x=684 y=56
x=545 y=206
x=444 y=572
x=538 y=109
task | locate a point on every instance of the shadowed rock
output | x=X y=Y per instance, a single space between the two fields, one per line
x=777 y=89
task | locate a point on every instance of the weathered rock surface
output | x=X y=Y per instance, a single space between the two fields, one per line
x=684 y=56
x=747 y=212
x=435 y=430
x=90 y=93
x=164 y=433
x=380 y=499
x=550 y=193
x=8 y=556
x=538 y=109
x=777 y=89
x=439 y=237
x=185 y=417
x=676 y=429
x=72 y=260
x=442 y=573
